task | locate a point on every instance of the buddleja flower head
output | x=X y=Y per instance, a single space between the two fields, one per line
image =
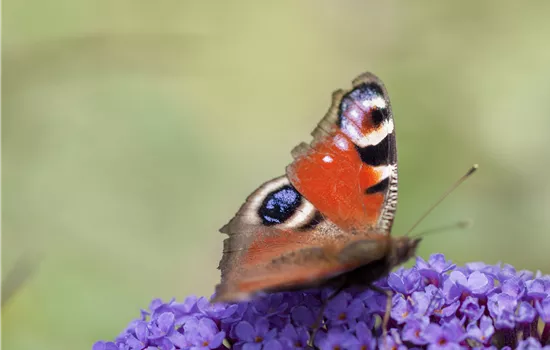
x=435 y=305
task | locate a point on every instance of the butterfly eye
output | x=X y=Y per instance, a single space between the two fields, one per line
x=405 y=248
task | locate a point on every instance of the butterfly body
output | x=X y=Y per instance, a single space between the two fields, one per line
x=328 y=220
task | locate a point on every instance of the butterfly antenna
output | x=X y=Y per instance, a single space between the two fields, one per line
x=449 y=191
x=457 y=225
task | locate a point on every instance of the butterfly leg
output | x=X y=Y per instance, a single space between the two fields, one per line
x=319 y=320
x=387 y=313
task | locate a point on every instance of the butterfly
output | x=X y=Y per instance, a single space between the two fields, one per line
x=328 y=220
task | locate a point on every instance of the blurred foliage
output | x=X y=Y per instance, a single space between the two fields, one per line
x=133 y=130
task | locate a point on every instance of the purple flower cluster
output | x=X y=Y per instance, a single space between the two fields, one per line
x=435 y=305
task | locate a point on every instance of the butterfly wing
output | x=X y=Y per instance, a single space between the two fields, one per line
x=279 y=241
x=340 y=189
x=349 y=171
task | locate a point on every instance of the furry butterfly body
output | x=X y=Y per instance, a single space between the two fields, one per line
x=328 y=220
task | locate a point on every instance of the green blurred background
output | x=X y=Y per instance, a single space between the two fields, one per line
x=133 y=130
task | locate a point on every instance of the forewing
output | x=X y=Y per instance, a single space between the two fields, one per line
x=349 y=171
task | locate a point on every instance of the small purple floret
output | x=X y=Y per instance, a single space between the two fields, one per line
x=435 y=305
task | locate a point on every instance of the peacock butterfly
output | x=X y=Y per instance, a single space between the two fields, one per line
x=328 y=220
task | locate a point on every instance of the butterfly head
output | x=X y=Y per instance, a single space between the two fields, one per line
x=403 y=248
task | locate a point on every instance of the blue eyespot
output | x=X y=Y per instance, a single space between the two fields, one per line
x=279 y=205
